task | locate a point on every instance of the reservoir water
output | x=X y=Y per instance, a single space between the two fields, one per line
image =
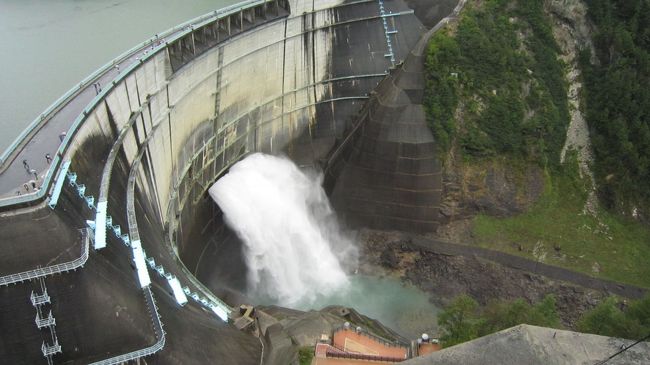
x=49 y=46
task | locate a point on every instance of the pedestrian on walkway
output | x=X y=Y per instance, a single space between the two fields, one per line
x=48 y=158
x=62 y=136
x=33 y=172
x=33 y=184
x=25 y=165
x=117 y=67
x=26 y=187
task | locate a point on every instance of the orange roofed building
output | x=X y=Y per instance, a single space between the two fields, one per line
x=355 y=346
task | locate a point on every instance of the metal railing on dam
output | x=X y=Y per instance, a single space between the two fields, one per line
x=216 y=22
x=163 y=102
x=164 y=41
x=186 y=111
x=158 y=328
x=213 y=304
x=53 y=269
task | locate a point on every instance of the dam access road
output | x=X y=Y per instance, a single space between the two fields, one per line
x=118 y=253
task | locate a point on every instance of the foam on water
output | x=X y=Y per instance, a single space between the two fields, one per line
x=292 y=243
x=402 y=307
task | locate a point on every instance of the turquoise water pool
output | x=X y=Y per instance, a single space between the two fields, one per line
x=404 y=308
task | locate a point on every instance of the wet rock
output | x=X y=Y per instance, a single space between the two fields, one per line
x=389 y=259
x=447 y=276
x=492 y=187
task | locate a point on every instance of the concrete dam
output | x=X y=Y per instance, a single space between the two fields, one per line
x=113 y=250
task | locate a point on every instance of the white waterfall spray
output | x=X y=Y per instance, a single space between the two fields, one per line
x=292 y=242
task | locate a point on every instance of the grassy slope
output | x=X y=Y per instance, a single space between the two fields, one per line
x=620 y=248
x=488 y=57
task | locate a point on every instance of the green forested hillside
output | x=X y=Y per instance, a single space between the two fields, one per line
x=463 y=320
x=618 y=101
x=501 y=64
x=496 y=91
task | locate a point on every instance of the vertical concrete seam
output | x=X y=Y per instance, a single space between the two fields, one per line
x=284 y=61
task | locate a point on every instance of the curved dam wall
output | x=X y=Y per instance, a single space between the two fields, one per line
x=271 y=76
x=291 y=86
x=274 y=76
x=281 y=83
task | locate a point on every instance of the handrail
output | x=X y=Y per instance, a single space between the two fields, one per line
x=182 y=30
x=65 y=98
x=160 y=335
x=54 y=269
x=212 y=300
x=350 y=355
x=372 y=336
x=104 y=186
x=153 y=309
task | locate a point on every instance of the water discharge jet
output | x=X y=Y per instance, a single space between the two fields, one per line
x=293 y=245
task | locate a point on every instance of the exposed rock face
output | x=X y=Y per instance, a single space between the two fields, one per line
x=572 y=13
x=491 y=187
x=572 y=33
x=447 y=276
x=498 y=189
x=450 y=276
x=389 y=259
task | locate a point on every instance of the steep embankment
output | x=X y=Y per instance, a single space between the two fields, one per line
x=447 y=274
x=617 y=75
x=496 y=89
x=505 y=100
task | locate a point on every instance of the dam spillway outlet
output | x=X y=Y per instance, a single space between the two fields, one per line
x=293 y=246
x=137 y=157
x=296 y=253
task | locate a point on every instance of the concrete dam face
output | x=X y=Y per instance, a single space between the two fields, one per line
x=121 y=254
